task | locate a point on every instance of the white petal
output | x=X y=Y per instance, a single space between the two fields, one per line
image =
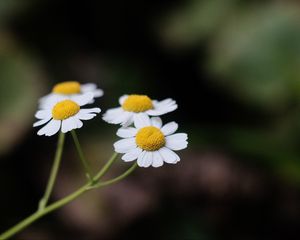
x=132 y=154
x=51 y=128
x=87 y=87
x=122 y=99
x=88 y=113
x=44 y=98
x=78 y=122
x=128 y=121
x=90 y=110
x=176 y=145
x=125 y=145
x=68 y=124
x=83 y=99
x=141 y=120
x=153 y=112
x=43 y=101
x=145 y=160
x=86 y=116
x=169 y=108
x=169 y=128
x=122 y=118
x=156 y=122
x=116 y=116
x=52 y=100
x=42 y=114
x=41 y=122
x=157 y=160
x=126 y=132
x=140 y=160
x=164 y=103
x=98 y=93
x=148 y=159
x=111 y=113
x=168 y=155
x=162 y=107
x=92 y=101
x=178 y=137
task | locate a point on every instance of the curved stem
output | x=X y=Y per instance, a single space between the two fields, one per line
x=32 y=218
x=54 y=170
x=115 y=180
x=60 y=203
x=106 y=167
x=84 y=162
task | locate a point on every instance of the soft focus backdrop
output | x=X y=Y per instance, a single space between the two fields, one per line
x=232 y=65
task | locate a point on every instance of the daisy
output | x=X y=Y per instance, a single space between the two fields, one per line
x=64 y=114
x=149 y=142
x=71 y=89
x=132 y=105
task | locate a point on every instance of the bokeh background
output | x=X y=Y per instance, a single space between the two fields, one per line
x=232 y=65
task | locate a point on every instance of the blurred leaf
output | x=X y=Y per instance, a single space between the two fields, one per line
x=256 y=56
x=198 y=19
x=20 y=87
x=11 y=7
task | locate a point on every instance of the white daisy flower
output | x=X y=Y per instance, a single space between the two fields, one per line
x=132 y=105
x=71 y=89
x=149 y=142
x=65 y=114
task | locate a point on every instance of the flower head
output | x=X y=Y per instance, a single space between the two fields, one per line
x=64 y=114
x=150 y=142
x=133 y=105
x=70 y=89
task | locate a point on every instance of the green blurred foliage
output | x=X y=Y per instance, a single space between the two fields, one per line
x=21 y=82
x=9 y=8
x=253 y=54
x=245 y=50
x=193 y=22
x=256 y=56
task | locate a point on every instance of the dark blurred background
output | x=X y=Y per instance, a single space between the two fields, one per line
x=234 y=68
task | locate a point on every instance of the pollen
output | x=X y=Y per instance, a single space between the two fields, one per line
x=150 y=138
x=70 y=87
x=137 y=103
x=65 y=109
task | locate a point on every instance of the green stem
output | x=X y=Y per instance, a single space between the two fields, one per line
x=115 y=180
x=32 y=218
x=106 y=167
x=54 y=170
x=60 y=203
x=84 y=162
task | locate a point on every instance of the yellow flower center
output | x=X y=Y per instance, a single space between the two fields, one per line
x=65 y=109
x=137 y=103
x=150 y=138
x=70 y=87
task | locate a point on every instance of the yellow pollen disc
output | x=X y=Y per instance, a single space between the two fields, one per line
x=65 y=109
x=70 y=87
x=137 y=103
x=150 y=138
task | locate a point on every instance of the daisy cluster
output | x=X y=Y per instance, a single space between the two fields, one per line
x=62 y=108
x=144 y=137
x=148 y=141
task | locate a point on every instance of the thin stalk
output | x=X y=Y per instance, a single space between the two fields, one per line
x=106 y=167
x=37 y=215
x=54 y=170
x=115 y=180
x=60 y=203
x=84 y=162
